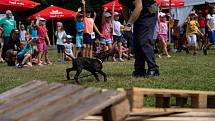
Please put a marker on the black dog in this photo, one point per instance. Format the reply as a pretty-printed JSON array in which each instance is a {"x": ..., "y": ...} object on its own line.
[{"x": 89, "y": 64}]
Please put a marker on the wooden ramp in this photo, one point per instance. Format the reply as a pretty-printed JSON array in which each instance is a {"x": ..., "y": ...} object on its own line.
[
  {"x": 40, "y": 101},
  {"x": 190, "y": 116},
  {"x": 166, "y": 100}
]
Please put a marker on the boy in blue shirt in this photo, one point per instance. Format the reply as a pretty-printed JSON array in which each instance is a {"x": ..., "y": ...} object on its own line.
[{"x": 79, "y": 34}]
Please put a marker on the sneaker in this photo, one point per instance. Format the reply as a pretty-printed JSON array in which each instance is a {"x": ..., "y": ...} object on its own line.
[
  {"x": 159, "y": 56},
  {"x": 168, "y": 56},
  {"x": 205, "y": 51},
  {"x": 20, "y": 66},
  {"x": 47, "y": 62},
  {"x": 58, "y": 60},
  {"x": 2, "y": 60},
  {"x": 40, "y": 63},
  {"x": 121, "y": 60},
  {"x": 114, "y": 59}
]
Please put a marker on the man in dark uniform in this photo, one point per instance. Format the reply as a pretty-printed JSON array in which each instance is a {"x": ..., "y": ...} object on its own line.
[{"x": 144, "y": 18}]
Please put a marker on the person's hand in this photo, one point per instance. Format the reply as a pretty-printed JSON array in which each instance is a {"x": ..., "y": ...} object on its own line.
[
  {"x": 105, "y": 9},
  {"x": 83, "y": 2},
  {"x": 128, "y": 27},
  {"x": 49, "y": 44},
  {"x": 20, "y": 22},
  {"x": 100, "y": 34}
]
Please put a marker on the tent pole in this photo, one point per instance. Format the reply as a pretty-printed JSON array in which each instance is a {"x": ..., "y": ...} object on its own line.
[
  {"x": 170, "y": 13},
  {"x": 53, "y": 38}
]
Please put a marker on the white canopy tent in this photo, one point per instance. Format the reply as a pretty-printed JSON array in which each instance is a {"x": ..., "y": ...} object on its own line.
[{"x": 181, "y": 13}]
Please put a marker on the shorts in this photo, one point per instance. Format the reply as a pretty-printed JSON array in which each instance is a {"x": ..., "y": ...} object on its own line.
[
  {"x": 202, "y": 30},
  {"x": 117, "y": 38},
  {"x": 79, "y": 41},
  {"x": 192, "y": 40},
  {"x": 42, "y": 47},
  {"x": 163, "y": 37},
  {"x": 212, "y": 36},
  {"x": 87, "y": 39},
  {"x": 60, "y": 48},
  {"x": 106, "y": 41}
]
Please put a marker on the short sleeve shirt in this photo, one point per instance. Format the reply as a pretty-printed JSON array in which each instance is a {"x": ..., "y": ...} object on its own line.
[
  {"x": 211, "y": 21},
  {"x": 79, "y": 26},
  {"x": 8, "y": 25},
  {"x": 42, "y": 31},
  {"x": 116, "y": 28}
]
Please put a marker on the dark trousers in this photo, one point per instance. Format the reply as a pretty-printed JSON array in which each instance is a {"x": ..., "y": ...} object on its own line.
[
  {"x": 143, "y": 48},
  {"x": 5, "y": 46}
]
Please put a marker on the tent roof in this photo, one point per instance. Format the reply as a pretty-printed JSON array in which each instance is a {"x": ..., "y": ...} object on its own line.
[{"x": 197, "y": 2}]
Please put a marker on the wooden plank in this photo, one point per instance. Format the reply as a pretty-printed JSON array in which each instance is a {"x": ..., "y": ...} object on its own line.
[
  {"x": 137, "y": 99},
  {"x": 92, "y": 118},
  {"x": 171, "y": 91},
  {"x": 195, "y": 114},
  {"x": 92, "y": 105},
  {"x": 181, "y": 119},
  {"x": 42, "y": 102},
  {"x": 117, "y": 112},
  {"x": 61, "y": 106},
  {"x": 172, "y": 110},
  {"x": 28, "y": 97},
  {"x": 21, "y": 89},
  {"x": 199, "y": 101}
]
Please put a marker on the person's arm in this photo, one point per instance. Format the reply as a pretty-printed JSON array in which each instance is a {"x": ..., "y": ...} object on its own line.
[
  {"x": 96, "y": 29},
  {"x": 38, "y": 21},
  {"x": 113, "y": 7},
  {"x": 209, "y": 27},
  {"x": 84, "y": 7},
  {"x": 47, "y": 38},
  {"x": 94, "y": 18},
  {"x": 136, "y": 13}
]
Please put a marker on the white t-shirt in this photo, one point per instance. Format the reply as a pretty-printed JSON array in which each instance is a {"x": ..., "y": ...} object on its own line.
[
  {"x": 211, "y": 21},
  {"x": 22, "y": 36},
  {"x": 68, "y": 48},
  {"x": 116, "y": 28},
  {"x": 60, "y": 37}
]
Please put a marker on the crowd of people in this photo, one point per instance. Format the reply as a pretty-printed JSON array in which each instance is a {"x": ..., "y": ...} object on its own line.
[{"x": 25, "y": 46}]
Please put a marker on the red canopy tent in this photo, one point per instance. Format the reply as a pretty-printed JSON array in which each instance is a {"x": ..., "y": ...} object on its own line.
[
  {"x": 17, "y": 5},
  {"x": 174, "y": 3},
  {"x": 53, "y": 12},
  {"x": 109, "y": 5}
]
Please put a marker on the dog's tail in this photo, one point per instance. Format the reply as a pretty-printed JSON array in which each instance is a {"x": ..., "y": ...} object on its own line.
[{"x": 69, "y": 56}]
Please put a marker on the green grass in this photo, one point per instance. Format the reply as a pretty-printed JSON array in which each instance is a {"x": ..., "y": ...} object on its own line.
[{"x": 179, "y": 72}]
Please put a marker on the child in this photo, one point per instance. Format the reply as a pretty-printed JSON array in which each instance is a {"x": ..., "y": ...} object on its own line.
[
  {"x": 191, "y": 32},
  {"x": 107, "y": 30},
  {"x": 61, "y": 39},
  {"x": 211, "y": 24},
  {"x": 1, "y": 44},
  {"x": 79, "y": 34},
  {"x": 24, "y": 56},
  {"x": 163, "y": 36},
  {"x": 89, "y": 34},
  {"x": 117, "y": 35},
  {"x": 68, "y": 48},
  {"x": 41, "y": 41},
  {"x": 32, "y": 30},
  {"x": 176, "y": 34},
  {"x": 22, "y": 35}
]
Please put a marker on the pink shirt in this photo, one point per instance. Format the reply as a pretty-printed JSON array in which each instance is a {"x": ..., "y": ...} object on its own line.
[
  {"x": 107, "y": 30},
  {"x": 163, "y": 28},
  {"x": 42, "y": 31}
]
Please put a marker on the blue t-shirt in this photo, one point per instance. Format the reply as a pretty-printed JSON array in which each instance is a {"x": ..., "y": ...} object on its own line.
[
  {"x": 34, "y": 33},
  {"x": 79, "y": 26},
  {"x": 26, "y": 49}
]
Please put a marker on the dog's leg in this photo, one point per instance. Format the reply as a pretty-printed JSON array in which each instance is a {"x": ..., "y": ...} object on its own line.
[
  {"x": 96, "y": 76},
  {"x": 77, "y": 75},
  {"x": 68, "y": 71},
  {"x": 104, "y": 74}
]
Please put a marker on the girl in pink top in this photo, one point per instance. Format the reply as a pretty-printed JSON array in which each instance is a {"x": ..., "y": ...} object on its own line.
[
  {"x": 107, "y": 30},
  {"x": 163, "y": 36}
]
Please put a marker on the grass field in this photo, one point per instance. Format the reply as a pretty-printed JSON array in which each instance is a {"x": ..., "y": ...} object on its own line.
[{"x": 179, "y": 72}]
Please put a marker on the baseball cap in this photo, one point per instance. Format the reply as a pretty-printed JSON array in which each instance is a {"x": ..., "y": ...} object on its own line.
[
  {"x": 69, "y": 37},
  {"x": 107, "y": 15},
  {"x": 42, "y": 19},
  {"x": 116, "y": 13}
]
